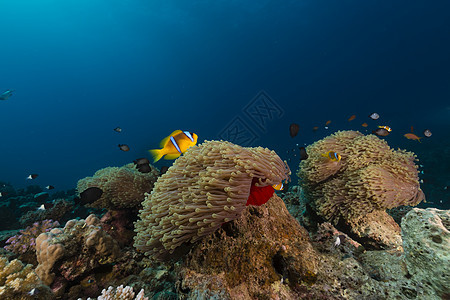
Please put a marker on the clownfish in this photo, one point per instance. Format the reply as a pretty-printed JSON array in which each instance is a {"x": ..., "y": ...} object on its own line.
[
  {"x": 332, "y": 155},
  {"x": 278, "y": 187},
  {"x": 389, "y": 129},
  {"x": 174, "y": 145}
]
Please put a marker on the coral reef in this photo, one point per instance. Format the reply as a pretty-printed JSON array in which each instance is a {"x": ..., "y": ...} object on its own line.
[
  {"x": 264, "y": 254},
  {"x": 66, "y": 255},
  {"x": 346, "y": 271},
  {"x": 60, "y": 208},
  {"x": 19, "y": 209},
  {"x": 207, "y": 186},
  {"x": 121, "y": 293},
  {"x": 245, "y": 259},
  {"x": 47, "y": 254},
  {"x": 122, "y": 187},
  {"x": 17, "y": 281},
  {"x": 293, "y": 198},
  {"x": 119, "y": 224},
  {"x": 24, "y": 243},
  {"x": 426, "y": 240},
  {"x": 355, "y": 191}
]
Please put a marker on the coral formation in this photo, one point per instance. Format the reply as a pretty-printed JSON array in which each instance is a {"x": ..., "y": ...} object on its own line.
[
  {"x": 251, "y": 270},
  {"x": 426, "y": 241},
  {"x": 47, "y": 254},
  {"x": 25, "y": 240},
  {"x": 121, "y": 293},
  {"x": 251, "y": 256},
  {"x": 371, "y": 177},
  {"x": 17, "y": 280},
  {"x": 60, "y": 208},
  {"x": 71, "y": 252},
  {"x": 122, "y": 187},
  {"x": 119, "y": 224},
  {"x": 206, "y": 187}
]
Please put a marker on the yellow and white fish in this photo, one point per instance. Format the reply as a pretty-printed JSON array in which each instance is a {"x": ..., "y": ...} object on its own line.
[
  {"x": 332, "y": 155},
  {"x": 174, "y": 145}
]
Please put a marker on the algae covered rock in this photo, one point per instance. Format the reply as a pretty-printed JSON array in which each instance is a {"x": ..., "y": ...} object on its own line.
[
  {"x": 264, "y": 254},
  {"x": 426, "y": 241}
]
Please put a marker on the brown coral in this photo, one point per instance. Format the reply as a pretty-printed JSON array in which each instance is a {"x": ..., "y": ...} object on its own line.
[
  {"x": 371, "y": 177},
  {"x": 77, "y": 249},
  {"x": 122, "y": 187},
  {"x": 206, "y": 187},
  {"x": 266, "y": 248}
]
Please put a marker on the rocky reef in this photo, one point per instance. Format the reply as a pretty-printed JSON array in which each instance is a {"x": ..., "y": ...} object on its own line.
[{"x": 283, "y": 249}]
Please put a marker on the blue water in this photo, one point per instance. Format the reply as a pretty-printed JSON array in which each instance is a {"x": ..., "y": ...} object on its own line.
[{"x": 81, "y": 68}]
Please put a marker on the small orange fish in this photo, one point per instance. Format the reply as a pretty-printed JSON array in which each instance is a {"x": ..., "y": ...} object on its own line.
[
  {"x": 315, "y": 128},
  {"x": 328, "y": 122},
  {"x": 389, "y": 129},
  {"x": 364, "y": 125},
  {"x": 174, "y": 145},
  {"x": 278, "y": 187},
  {"x": 352, "y": 118},
  {"x": 412, "y": 136}
]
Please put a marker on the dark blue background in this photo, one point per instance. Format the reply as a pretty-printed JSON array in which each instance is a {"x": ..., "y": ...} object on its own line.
[{"x": 81, "y": 68}]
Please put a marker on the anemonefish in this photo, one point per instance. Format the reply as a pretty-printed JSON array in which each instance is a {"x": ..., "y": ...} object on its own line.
[
  {"x": 389, "y": 129},
  {"x": 332, "y": 155},
  {"x": 174, "y": 145},
  {"x": 278, "y": 187}
]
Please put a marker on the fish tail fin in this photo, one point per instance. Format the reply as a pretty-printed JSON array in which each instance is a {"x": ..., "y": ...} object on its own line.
[
  {"x": 419, "y": 139},
  {"x": 157, "y": 154}
]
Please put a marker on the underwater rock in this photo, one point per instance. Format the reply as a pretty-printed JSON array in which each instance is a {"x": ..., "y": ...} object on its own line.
[
  {"x": 66, "y": 255},
  {"x": 263, "y": 254},
  {"x": 294, "y": 200},
  {"x": 426, "y": 240},
  {"x": 266, "y": 254},
  {"x": 377, "y": 230},
  {"x": 119, "y": 224},
  {"x": 58, "y": 211}
]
